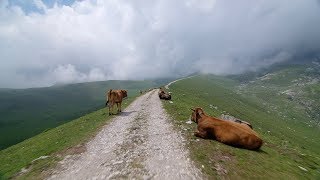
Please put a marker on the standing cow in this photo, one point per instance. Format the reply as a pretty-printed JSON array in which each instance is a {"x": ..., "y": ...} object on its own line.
[{"x": 115, "y": 97}]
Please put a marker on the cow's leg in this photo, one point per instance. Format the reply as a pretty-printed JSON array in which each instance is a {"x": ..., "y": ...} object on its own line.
[
  {"x": 201, "y": 133},
  {"x": 120, "y": 106},
  {"x": 111, "y": 108}
]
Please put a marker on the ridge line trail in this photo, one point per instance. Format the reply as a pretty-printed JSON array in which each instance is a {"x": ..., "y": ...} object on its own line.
[
  {"x": 139, "y": 143},
  {"x": 172, "y": 82}
]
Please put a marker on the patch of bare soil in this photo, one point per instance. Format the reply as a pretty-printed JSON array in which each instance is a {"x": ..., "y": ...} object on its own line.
[{"x": 139, "y": 143}]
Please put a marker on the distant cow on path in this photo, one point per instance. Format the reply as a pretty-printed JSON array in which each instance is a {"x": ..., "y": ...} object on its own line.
[
  {"x": 115, "y": 97},
  {"x": 164, "y": 95},
  {"x": 227, "y": 132}
]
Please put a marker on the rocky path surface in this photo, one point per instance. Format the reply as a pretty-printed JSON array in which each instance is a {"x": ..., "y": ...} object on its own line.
[{"x": 140, "y": 143}]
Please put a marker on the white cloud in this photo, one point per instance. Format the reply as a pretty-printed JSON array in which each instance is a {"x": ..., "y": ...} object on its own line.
[
  {"x": 96, "y": 74},
  {"x": 67, "y": 73},
  {"x": 40, "y": 5},
  {"x": 203, "y": 5},
  {"x": 107, "y": 39}
]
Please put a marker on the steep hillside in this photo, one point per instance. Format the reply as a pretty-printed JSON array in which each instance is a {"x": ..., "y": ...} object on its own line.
[
  {"x": 292, "y": 91},
  {"x": 27, "y": 112},
  {"x": 291, "y": 148}
]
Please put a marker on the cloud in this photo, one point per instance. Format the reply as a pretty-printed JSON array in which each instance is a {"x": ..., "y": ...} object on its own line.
[
  {"x": 67, "y": 73},
  {"x": 106, "y": 39},
  {"x": 40, "y": 5}
]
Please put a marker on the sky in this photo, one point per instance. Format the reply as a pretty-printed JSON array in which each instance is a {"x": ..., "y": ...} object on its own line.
[{"x": 47, "y": 42}]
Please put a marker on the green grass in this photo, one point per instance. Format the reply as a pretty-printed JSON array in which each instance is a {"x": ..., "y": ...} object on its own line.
[
  {"x": 54, "y": 143},
  {"x": 28, "y": 112},
  {"x": 302, "y": 81},
  {"x": 288, "y": 143}
]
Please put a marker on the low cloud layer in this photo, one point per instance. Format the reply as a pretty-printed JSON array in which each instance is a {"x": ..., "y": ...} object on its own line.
[{"x": 106, "y": 39}]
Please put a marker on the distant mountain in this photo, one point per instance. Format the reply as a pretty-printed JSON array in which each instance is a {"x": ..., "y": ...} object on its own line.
[
  {"x": 295, "y": 83},
  {"x": 306, "y": 60},
  {"x": 27, "y": 112}
]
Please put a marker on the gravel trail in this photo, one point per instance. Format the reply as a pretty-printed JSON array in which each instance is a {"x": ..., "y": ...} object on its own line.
[
  {"x": 139, "y": 143},
  {"x": 167, "y": 86}
]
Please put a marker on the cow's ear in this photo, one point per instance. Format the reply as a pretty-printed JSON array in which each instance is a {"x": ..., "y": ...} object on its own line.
[
  {"x": 199, "y": 111},
  {"x": 192, "y": 109}
]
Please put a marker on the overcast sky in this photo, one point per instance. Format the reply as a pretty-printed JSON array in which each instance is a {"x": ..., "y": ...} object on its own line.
[{"x": 65, "y": 41}]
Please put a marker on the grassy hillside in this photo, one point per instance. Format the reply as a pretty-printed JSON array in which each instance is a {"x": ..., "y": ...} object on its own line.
[
  {"x": 291, "y": 148},
  {"x": 27, "y": 112},
  {"x": 296, "y": 87},
  {"x": 37, "y": 154}
]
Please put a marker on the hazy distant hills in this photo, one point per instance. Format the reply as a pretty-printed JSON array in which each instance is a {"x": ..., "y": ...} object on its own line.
[
  {"x": 282, "y": 102},
  {"x": 295, "y": 85},
  {"x": 27, "y": 112}
]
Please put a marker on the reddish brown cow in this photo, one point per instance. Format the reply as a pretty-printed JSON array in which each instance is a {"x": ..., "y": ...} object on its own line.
[
  {"x": 227, "y": 132},
  {"x": 115, "y": 97}
]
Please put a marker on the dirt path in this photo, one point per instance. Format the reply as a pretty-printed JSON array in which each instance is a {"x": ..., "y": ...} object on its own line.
[
  {"x": 167, "y": 86},
  {"x": 138, "y": 144}
]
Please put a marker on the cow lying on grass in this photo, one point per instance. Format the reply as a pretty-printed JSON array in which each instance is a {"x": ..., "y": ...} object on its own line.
[
  {"x": 164, "y": 95},
  {"x": 115, "y": 97},
  {"x": 227, "y": 132}
]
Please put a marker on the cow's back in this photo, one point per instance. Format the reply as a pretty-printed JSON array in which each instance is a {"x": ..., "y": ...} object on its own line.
[
  {"x": 118, "y": 96},
  {"x": 115, "y": 96}
]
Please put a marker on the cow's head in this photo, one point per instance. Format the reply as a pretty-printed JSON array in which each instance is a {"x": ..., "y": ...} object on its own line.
[
  {"x": 196, "y": 114},
  {"x": 124, "y": 93}
]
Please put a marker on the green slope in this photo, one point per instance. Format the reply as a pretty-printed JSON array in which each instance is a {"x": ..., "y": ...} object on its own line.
[
  {"x": 27, "y": 112},
  {"x": 54, "y": 143},
  {"x": 295, "y": 87},
  {"x": 291, "y": 148}
]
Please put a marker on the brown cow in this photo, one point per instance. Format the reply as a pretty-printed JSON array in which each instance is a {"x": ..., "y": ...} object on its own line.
[
  {"x": 227, "y": 132},
  {"x": 115, "y": 96},
  {"x": 164, "y": 95}
]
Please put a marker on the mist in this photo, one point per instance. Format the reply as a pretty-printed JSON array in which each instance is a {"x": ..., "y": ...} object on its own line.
[{"x": 42, "y": 44}]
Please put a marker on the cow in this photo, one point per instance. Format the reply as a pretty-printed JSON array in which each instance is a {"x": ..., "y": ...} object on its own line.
[
  {"x": 227, "y": 132},
  {"x": 115, "y": 97},
  {"x": 164, "y": 95}
]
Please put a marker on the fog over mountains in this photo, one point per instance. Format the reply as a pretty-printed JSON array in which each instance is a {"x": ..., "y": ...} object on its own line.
[{"x": 51, "y": 42}]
